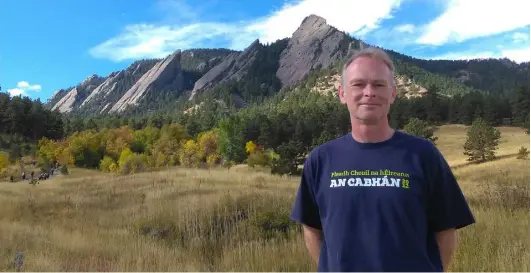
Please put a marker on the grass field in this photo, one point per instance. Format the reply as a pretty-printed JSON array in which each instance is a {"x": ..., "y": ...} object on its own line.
[{"x": 233, "y": 220}]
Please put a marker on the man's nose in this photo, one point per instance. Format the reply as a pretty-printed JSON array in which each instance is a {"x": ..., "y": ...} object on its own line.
[{"x": 368, "y": 91}]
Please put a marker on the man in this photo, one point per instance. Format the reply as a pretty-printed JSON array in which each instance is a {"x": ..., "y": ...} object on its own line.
[{"x": 377, "y": 199}]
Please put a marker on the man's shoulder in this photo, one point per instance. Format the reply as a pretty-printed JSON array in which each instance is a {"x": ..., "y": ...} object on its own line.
[
  {"x": 416, "y": 143},
  {"x": 420, "y": 146},
  {"x": 327, "y": 147}
]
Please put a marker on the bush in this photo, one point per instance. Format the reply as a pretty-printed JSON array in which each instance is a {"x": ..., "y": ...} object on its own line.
[
  {"x": 258, "y": 158},
  {"x": 159, "y": 229},
  {"x": 105, "y": 164},
  {"x": 4, "y": 164},
  {"x": 271, "y": 222},
  {"x": 134, "y": 163},
  {"x": 190, "y": 155},
  {"x": 64, "y": 169},
  {"x": 523, "y": 153}
]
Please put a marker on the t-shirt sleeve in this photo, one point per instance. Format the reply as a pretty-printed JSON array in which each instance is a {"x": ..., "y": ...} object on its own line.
[
  {"x": 305, "y": 210},
  {"x": 447, "y": 207}
]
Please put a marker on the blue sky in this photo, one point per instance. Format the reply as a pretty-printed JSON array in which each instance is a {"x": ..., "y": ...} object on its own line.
[{"x": 48, "y": 45}]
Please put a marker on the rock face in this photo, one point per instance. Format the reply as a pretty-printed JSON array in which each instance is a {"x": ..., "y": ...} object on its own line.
[
  {"x": 234, "y": 67},
  {"x": 314, "y": 45},
  {"x": 77, "y": 95},
  {"x": 56, "y": 97},
  {"x": 116, "y": 84},
  {"x": 164, "y": 73}
]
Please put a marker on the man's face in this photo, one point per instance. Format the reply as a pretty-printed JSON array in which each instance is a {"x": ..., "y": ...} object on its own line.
[{"x": 367, "y": 90}]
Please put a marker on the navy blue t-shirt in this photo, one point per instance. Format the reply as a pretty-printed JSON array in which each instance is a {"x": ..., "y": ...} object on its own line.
[{"x": 379, "y": 205}]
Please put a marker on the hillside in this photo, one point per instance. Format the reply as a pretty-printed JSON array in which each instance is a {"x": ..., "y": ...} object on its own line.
[
  {"x": 237, "y": 219},
  {"x": 185, "y": 78}
]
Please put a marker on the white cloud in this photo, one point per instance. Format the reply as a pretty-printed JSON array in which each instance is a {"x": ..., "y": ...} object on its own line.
[
  {"x": 15, "y": 91},
  {"x": 408, "y": 28},
  {"x": 464, "y": 55},
  {"x": 22, "y": 87},
  {"x": 23, "y": 84},
  {"x": 338, "y": 13},
  {"x": 520, "y": 37},
  {"x": 467, "y": 19},
  {"x": 156, "y": 41},
  {"x": 517, "y": 55}
]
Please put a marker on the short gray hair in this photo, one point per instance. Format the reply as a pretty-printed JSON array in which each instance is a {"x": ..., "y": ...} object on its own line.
[{"x": 372, "y": 52}]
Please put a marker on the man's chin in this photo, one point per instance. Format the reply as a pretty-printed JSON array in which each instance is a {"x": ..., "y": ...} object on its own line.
[{"x": 368, "y": 119}]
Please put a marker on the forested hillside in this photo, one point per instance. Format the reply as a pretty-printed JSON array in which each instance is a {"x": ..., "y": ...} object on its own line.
[
  {"x": 263, "y": 95},
  {"x": 492, "y": 75},
  {"x": 239, "y": 78},
  {"x": 23, "y": 122}
]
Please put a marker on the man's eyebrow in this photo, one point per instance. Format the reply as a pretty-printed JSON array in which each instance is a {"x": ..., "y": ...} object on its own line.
[{"x": 357, "y": 80}]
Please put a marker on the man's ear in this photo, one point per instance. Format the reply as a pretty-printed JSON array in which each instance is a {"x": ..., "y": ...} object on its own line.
[
  {"x": 341, "y": 94},
  {"x": 393, "y": 97}
]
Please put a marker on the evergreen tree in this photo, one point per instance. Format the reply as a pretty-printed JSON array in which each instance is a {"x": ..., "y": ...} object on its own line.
[
  {"x": 420, "y": 128},
  {"x": 231, "y": 140},
  {"x": 482, "y": 141}
]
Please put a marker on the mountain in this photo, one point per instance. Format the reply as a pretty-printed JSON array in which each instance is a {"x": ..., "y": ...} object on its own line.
[
  {"x": 233, "y": 67},
  {"x": 77, "y": 95},
  {"x": 125, "y": 87},
  {"x": 314, "y": 45},
  {"x": 166, "y": 73},
  {"x": 316, "y": 50}
]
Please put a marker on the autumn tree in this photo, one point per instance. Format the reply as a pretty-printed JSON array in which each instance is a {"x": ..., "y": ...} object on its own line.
[
  {"x": 4, "y": 163},
  {"x": 190, "y": 155},
  {"x": 420, "y": 128},
  {"x": 482, "y": 141},
  {"x": 165, "y": 152},
  {"x": 208, "y": 143},
  {"x": 107, "y": 164}
]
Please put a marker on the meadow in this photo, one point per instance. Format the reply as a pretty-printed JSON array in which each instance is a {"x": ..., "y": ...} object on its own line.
[{"x": 235, "y": 219}]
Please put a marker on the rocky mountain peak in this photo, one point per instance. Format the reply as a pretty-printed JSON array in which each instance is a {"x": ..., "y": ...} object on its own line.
[
  {"x": 233, "y": 67},
  {"x": 311, "y": 22},
  {"x": 163, "y": 74},
  {"x": 314, "y": 45}
]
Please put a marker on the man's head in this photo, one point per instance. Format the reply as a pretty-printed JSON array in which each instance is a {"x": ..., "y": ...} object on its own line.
[{"x": 367, "y": 86}]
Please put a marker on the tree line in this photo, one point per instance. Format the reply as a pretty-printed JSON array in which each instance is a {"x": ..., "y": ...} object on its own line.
[{"x": 277, "y": 133}]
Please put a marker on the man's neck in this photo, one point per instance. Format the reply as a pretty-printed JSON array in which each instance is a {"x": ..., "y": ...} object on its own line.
[{"x": 371, "y": 133}]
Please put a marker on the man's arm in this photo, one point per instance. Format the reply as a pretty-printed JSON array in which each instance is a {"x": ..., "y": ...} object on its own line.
[
  {"x": 313, "y": 239},
  {"x": 447, "y": 242},
  {"x": 306, "y": 210},
  {"x": 448, "y": 208}
]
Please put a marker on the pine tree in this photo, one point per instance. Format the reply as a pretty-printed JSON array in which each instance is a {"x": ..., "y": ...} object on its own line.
[
  {"x": 420, "y": 128},
  {"x": 482, "y": 141}
]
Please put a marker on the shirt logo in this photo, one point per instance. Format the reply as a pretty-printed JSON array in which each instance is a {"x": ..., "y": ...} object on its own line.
[{"x": 369, "y": 178}]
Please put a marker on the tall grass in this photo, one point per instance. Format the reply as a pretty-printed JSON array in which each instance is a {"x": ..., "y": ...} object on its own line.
[{"x": 224, "y": 220}]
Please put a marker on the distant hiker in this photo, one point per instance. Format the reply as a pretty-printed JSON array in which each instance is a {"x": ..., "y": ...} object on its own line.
[
  {"x": 23, "y": 175},
  {"x": 378, "y": 199},
  {"x": 32, "y": 173},
  {"x": 12, "y": 179}
]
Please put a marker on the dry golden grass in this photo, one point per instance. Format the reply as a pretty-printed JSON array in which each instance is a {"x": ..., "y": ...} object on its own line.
[{"x": 214, "y": 220}]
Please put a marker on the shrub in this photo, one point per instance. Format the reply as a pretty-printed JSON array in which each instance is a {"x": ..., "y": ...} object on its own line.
[
  {"x": 523, "y": 153},
  {"x": 134, "y": 163},
  {"x": 105, "y": 164},
  {"x": 270, "y": 222},
  {"x": 64, "y": 169},
  {"x": 258, "y": 158},
  {"x": 190, "y": 154}
]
